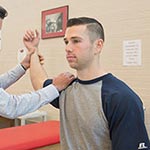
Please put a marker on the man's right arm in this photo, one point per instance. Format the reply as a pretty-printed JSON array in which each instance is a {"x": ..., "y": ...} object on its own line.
[{"x": 38, "y": 75}]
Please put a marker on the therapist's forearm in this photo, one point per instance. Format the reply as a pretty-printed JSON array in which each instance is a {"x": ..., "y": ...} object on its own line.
[{"x": 12, "y": 106}]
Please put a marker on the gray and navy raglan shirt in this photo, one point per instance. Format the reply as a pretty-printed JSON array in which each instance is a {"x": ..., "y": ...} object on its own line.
[{"x": 101, "y": 114}]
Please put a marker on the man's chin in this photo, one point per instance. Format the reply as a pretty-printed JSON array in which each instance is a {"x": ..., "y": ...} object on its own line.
[{"x": 72, "y": 66}]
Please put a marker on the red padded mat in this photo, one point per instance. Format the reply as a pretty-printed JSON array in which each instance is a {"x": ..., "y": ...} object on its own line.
[{"x": 30, "y": 136}]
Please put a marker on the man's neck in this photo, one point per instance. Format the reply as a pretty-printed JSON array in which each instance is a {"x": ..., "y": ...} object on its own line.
[{"x": 90, "y": 74}]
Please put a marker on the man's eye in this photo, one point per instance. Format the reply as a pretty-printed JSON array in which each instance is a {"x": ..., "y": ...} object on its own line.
[{"x": 76, "y": 41}]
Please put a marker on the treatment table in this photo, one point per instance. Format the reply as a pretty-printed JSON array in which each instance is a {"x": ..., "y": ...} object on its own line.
[{"x": 30, "y": 136}]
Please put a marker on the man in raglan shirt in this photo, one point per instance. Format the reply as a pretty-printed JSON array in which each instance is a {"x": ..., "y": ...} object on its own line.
[{"x": 97, "y": 111}]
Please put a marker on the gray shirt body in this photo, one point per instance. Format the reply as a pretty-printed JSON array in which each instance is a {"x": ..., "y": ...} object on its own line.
[{"x": 83, "y": 122}]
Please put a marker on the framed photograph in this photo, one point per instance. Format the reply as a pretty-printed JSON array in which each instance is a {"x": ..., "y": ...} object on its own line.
[{"x": 54, "y": 22}]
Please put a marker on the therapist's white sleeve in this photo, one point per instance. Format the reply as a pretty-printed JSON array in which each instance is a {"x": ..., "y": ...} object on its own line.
[
  {"x": 12, "y": 106},
  {"x": 11, "y": 76}
]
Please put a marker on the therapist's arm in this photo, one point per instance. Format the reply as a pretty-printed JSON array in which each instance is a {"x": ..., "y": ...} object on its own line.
[{"x": 12, "y": 106}]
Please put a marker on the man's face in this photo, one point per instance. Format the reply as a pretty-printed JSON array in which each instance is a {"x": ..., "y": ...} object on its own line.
[{"x": 79, "y": 48}]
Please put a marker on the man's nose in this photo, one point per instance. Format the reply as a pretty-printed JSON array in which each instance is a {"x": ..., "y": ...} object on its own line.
[{"x": 69, "y": 48}]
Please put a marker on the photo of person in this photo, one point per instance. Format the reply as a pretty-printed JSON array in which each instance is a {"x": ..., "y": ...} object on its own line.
[{"x": 54, "y": 23}]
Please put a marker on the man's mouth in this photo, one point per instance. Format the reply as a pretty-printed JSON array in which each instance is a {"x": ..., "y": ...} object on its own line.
[{"x": 70, "y": 57}]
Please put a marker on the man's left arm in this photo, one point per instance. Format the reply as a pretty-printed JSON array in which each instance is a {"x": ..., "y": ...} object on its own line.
[{"x": 126, "y": 123}]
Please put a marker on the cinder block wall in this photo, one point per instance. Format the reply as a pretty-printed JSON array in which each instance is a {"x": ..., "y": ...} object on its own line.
[{"x": 122, "y": 20}]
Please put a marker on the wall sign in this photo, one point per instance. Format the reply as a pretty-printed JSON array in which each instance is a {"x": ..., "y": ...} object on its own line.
[{"x": 132, "y": 52}]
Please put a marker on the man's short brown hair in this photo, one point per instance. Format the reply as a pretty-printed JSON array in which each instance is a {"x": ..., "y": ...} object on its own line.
[{"x": 3, "y": 12}]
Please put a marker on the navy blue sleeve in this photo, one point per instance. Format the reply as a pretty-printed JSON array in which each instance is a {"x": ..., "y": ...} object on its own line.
[
  {"x": 124, "y": 112},
  {"x": 55, "y": 102}
]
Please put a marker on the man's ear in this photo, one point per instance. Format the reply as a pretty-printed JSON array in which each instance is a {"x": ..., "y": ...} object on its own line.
[{"x": 98, "y": 45}]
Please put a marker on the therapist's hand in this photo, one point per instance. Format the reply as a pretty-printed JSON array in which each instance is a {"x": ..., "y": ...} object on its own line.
[{"x": 63, "y": 80}]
